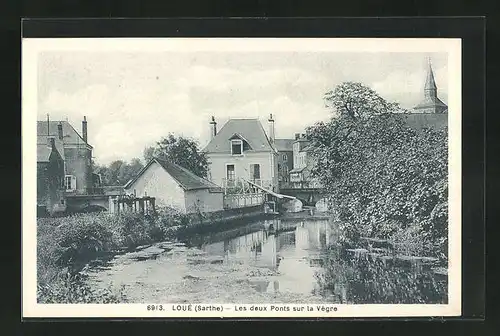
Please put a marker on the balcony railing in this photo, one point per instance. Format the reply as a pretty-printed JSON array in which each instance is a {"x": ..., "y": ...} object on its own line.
[
  {"x": 240, "y": 186},
  {"x": 95, "y": 191}
]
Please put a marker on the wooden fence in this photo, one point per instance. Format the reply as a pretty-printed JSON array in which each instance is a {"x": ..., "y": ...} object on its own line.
[{"x": 144, "y": 205}]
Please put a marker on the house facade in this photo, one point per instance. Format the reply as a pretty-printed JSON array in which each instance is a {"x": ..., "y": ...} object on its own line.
[
  {"x": 241, "y": 151},
  {"x": 51, "y": 197},
  {"x": 76, "y": 153},
  {"x": 174, "y": 186},
  {"x": 303, "y": 162},
  {"x": 285, "y": 158}
]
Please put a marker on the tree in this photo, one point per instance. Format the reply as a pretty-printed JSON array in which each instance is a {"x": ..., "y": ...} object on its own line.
[
  {"x": 354, "y": 100},
  {"x": 180, "y": 150},
  {"x": 119, "y": 172},
  {"x": 386, "y": 179}
]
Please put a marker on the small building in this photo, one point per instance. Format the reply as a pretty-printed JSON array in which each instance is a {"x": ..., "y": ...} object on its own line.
[
  {"x": 242, "y": 150},
  {"x": 285, "y": 158},
  {"x": 50, "y": 179},
  {"x": 174, "y": 186},
  {"x": 303, "y": 162},
  {"x": 76, "y": 153}
]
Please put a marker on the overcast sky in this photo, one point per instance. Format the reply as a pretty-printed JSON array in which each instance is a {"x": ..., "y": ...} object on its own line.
[{"x": 131, "y": 100}]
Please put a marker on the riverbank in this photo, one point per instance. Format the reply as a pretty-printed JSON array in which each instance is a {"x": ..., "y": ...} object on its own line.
[
  {"x": 66, "y": 245},
  {"x": 175, "y": 273}
]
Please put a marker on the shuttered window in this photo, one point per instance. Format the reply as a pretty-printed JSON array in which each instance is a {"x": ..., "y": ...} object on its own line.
[
  {"x": 70, "y": 182},
  {"x": 255, "y": 171}
]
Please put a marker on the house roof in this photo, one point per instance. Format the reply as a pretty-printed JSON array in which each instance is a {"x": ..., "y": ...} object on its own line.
[
  {"x": 70, "y": 135},
  {"x": 297, "y": 170},
  {"x": 249, "y": 129},
  {"x": 185, "y": 178},
  {"x": 43, "y": 153},
  {"x": 283, "y": 145},
  {"x": 43, "y": 150},
  {"x": 307, "y": 148},
  {"x": 42, "y": 141},
  {"x": 423, "y": 120}
]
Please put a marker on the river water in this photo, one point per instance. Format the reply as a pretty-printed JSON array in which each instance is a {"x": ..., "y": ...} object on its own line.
[
  {"x": 262, "y": 261},
  {"x": 265, "y": 261}
]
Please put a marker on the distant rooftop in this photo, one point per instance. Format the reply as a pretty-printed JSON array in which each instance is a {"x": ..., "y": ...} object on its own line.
[{"x": 250, "y": 130}]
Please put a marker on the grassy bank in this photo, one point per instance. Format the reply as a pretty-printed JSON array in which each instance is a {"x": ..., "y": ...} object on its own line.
[{"x": 65, "y": 245}]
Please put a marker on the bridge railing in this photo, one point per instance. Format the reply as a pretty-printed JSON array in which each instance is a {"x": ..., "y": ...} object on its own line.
[
  {"x": 234, "y": 201},
  {"x": 240, "y": 186}
]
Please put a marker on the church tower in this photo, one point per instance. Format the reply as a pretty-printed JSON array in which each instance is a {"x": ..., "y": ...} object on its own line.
[{"x": 431, "y": 103}]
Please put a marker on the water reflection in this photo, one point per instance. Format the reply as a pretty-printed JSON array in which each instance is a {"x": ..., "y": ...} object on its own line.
[
  {"x": 301, "y": 257},
  {"x": 291, "y": 249}
]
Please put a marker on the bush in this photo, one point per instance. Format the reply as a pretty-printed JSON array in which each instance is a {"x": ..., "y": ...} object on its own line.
[
  {"x": 72, "y": 288},
  {"x": 65, "y": 245}
]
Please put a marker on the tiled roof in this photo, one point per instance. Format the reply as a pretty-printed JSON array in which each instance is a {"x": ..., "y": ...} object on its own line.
[
  {"x": 423, "y": 120},
  {"x": 249, "y": 129},
  {"x": 283, "y": 145},
  {"x": 186, "y": 179},
  {"x": 71, "y": 136},
  {"x": 41, "y": 140},
  {"x": 43, "y": 150},
  {"x": 297, "y": 170},
  {"x": 431, "y": 102},
  {"x": 42, "y": 153}
]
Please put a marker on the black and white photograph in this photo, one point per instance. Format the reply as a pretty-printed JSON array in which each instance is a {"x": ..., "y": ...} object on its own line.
[{"x": 243, "y": 177}]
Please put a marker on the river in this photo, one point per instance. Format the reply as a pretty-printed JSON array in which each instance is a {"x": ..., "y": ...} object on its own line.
[{"x": 263, "y": 261}]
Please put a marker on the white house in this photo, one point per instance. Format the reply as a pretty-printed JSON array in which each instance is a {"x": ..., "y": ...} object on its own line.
[
  {"x": 176, "y": 187},
  {"x": 243, "y": 150}
]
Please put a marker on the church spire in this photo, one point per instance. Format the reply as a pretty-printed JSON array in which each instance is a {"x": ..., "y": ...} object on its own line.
[
  {"x": 431, "y": 103},
  {"x": 430, "y": 83}
]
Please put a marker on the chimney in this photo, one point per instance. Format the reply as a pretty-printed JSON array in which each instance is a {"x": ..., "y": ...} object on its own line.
[
  {"x": 60, "y": 131},
  {"x": 297, "y": 136},
  {"x": 213, "y": 128},
  {"x": 84, "y": 129},
  {"x": 48, "y": 125},
  {"x": 271, "y": 128}
]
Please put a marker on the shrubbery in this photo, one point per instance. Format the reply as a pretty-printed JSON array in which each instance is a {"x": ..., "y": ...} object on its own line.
[
  {"x": 386, "y": 179},
  {"x": 66, "y": 244}
]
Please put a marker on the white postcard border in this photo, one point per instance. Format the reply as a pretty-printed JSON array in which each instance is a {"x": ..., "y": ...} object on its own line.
[{"x": 32, "y": 47}]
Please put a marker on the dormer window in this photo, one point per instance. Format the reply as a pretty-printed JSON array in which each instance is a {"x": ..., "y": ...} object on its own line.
[{"x": 236, "y": 147}]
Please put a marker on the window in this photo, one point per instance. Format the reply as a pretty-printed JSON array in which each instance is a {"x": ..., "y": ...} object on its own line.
[
  {"x": 230, "y": 174},
  {"x": 255, "y": 171},
  {"x": 69, "y": 182},
  {"x": 236, "y": 147},
  {"x": 285, "y": 158}
]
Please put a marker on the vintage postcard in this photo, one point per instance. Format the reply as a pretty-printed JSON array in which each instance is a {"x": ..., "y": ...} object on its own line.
[{"x": 242, "y": 177}]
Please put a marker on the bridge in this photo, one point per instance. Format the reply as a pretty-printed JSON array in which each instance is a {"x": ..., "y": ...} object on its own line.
[
  {"x": 244, "y": 192},
  {"x": 309, "y": 193}
]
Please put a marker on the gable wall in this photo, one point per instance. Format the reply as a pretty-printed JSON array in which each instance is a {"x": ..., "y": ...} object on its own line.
[{"x": 156, "y": 182}]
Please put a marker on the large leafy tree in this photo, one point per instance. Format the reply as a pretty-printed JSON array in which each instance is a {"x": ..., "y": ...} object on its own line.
[
  {"x": 355, "y": 100},
  {"x": 180, "y": 150},
  {"x": 119, "y": 172},
  {"x": 386, "y": 179}
]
